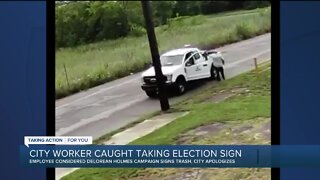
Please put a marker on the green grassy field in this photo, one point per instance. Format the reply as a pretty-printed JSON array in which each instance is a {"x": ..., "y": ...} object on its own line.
[
  {"x": 93, "y": 64},
  {"x": 242, "y": 116}
]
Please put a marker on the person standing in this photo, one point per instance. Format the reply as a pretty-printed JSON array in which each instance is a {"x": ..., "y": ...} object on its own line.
[{"x": 218, "y": 66}]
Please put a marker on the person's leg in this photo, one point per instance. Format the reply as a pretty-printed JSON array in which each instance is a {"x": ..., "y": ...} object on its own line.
[
  {"x": 218, "y": 74},
  {"x": 222, "y": 73}
]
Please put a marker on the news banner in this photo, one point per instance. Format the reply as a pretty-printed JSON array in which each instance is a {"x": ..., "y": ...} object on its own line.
[{"x": 78, "y": 151}]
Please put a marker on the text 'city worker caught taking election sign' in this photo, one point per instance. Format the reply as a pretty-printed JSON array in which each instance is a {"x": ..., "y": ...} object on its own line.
[{"x": 169, "y": 156}]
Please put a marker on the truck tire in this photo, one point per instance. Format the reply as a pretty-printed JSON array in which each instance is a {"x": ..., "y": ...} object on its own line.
[
  {"x": 151, "y": 94},
  {"x": 181, "y": 86},
  {"x": 212, "y": 74}
]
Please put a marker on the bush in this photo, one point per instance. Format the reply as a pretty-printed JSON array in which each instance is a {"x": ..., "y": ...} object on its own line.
[
  {"x": 243, "y": 30},
  {"x": 209, "y": 7},
  {"x": 136, "y": 30},
  {"x": 255, "y": 4},
  {"x": 84, "y": 22}
]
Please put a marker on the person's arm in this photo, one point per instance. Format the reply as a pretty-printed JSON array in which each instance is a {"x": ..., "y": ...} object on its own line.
[{"x": 222, "y": 60}]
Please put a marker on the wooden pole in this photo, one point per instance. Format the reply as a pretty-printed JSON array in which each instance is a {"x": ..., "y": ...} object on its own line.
[
  {"x": 255, "y": 63},
  {"x": 164, "y": 103},
  {"x": 65, "y": 71}
]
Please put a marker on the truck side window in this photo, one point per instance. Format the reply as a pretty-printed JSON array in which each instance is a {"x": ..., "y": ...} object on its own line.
[
  {"x": 196, "y": 56},
  {"x": 190, "y": 62},
  {"x": 188, "y": 55}
]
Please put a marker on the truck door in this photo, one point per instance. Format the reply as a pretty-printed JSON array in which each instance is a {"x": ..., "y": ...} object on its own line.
[
  {"x": 203, "y": 68},
  {"x": 190, "y": 67}
]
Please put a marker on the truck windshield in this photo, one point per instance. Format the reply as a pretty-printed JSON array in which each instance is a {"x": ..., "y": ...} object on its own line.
[{"x": 171, "y": 60}]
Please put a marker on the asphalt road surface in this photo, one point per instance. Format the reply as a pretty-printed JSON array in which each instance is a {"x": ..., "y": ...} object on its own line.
[{"x": 112, "y": 105}]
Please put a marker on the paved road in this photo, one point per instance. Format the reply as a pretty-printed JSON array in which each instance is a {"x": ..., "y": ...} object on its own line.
[{"x": 112, "y": 105}]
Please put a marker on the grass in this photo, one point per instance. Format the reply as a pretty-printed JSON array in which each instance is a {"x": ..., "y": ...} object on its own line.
[
  {"x": 93, "y": 64},
  {"x": 107, "y": 136},
  {"x": 245, "y": 107}
]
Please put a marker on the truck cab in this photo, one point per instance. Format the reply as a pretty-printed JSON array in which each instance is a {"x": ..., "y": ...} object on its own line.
[{"x": 180, "y": 66}]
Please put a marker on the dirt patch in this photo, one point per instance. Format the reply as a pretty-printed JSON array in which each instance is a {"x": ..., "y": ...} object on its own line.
[
  {"x": 223, "y": 95},
  {"x": 239, "y": 90},
  {"x": 254, "y": 131},
  {"x": 220, "y": 97},
  {"x": 266, "y": 130},
  {"x": 232, "y": 173},
  {"x": 188, "y": 175},
  {"x": 211, "y": 128},
  {"x": 200, "y": 132},
  {"x": 242, "y": 128}
]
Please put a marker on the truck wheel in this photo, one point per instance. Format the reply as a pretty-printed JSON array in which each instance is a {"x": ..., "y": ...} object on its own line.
[
  {"x": 212, "y": 74},
  {"x": 181, "y": 86},
  {"x": 151, "y": 94}
]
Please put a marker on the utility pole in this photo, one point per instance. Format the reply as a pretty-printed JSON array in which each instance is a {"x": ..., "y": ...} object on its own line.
[{"x": 155, "y": 55}]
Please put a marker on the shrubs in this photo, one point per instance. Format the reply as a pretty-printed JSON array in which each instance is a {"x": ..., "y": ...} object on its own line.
[
  {"x": 136, "y": 30},
  {"x": 246, "y": 30},
  {"x": 243, "y": 31}
]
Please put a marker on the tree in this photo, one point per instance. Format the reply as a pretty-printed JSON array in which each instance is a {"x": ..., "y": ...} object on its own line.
[
  {"x": 187, "y": 8},
  {"x": 256, "y": 4},
  {"x": 107, "y": 20},
  {"x": 209, "y": 7},
  {"x": 162, "y": 10},
  {"x": 70, "y": 24}
]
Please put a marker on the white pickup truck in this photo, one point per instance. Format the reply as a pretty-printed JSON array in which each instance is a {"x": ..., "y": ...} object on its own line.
[{"x": 180, "y": 66}]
